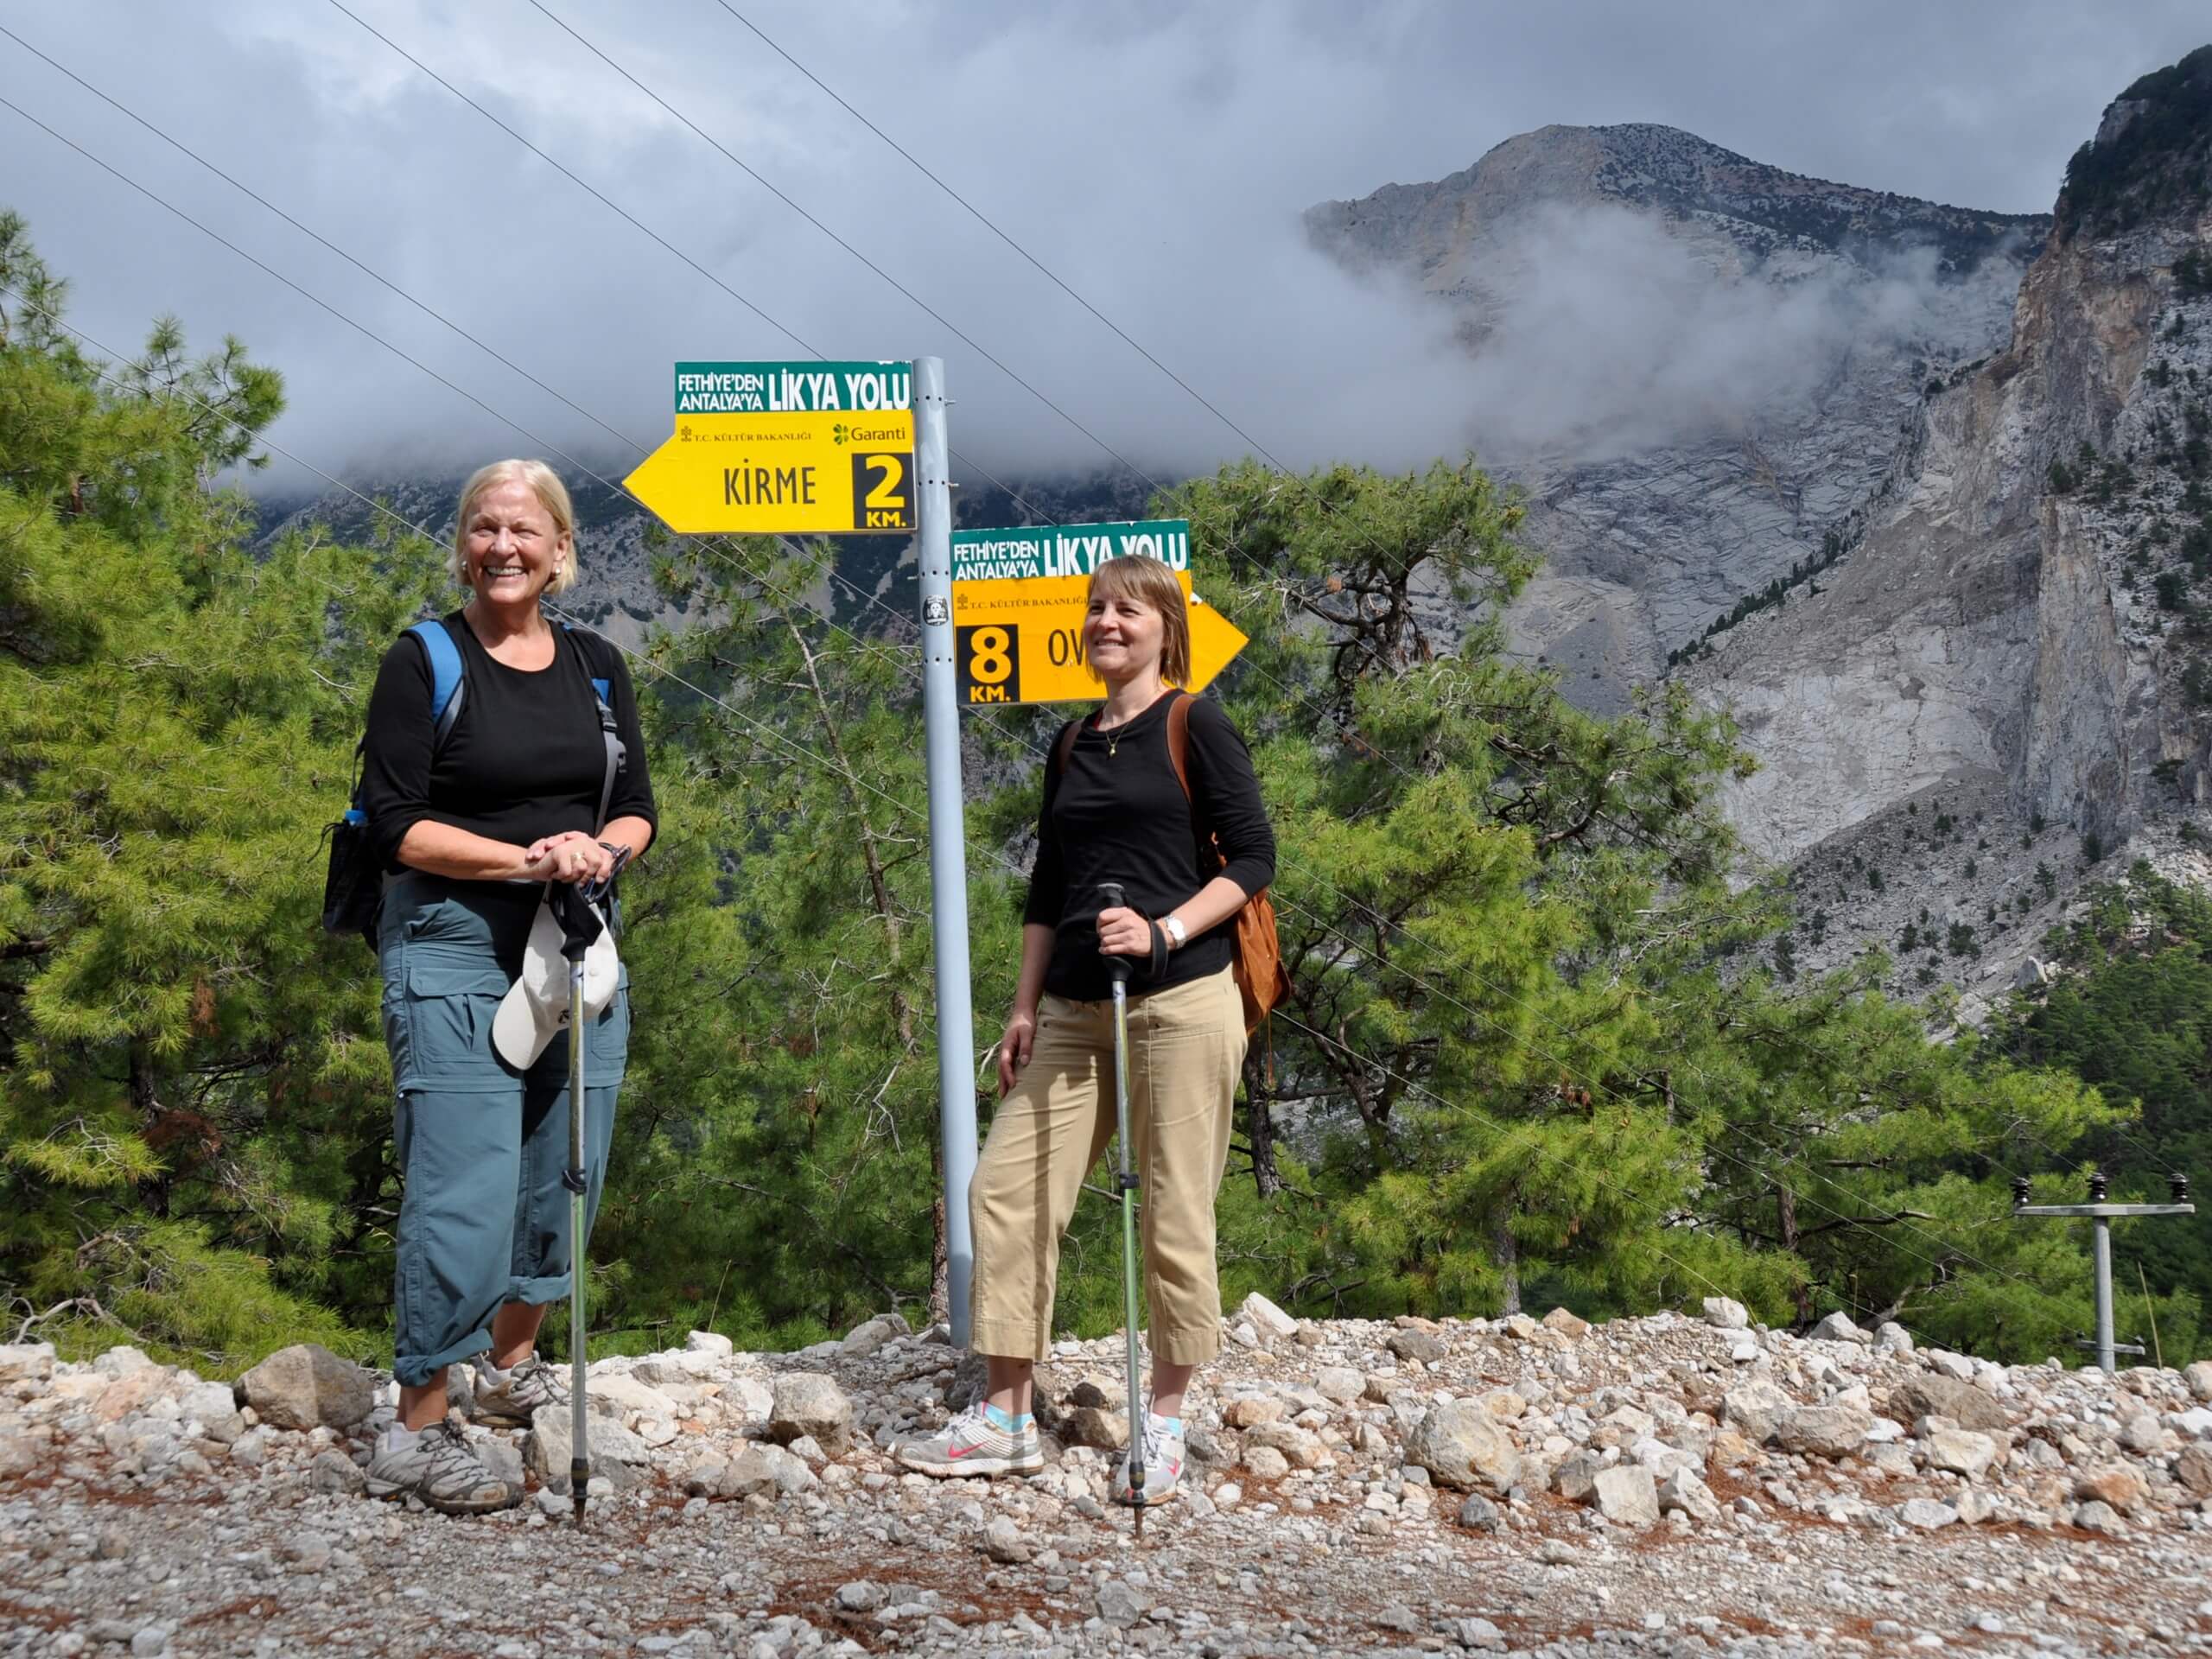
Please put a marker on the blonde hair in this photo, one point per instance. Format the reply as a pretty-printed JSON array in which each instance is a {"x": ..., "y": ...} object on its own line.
[
  {"x": 552, "y": 495},
  {"x": 1145, "y": 580}
]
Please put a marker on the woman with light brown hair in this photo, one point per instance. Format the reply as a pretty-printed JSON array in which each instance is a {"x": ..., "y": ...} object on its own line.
[{"x": 1116, "y": 811}]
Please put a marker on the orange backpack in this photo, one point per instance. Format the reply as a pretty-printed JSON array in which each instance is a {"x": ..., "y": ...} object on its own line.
[{"x": 1256, "y": 961}]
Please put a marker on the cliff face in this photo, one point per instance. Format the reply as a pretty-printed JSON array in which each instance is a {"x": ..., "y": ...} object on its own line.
[
  {"x": 2022, "y": 626},
  {"x": 1700, "y": 368}
]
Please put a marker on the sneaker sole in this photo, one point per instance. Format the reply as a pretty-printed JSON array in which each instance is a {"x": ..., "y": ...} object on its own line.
[
  {"x": 394, "y": 1491},
  {"x": 494, "y": 1417},
  {"x": 977, "y": 1467},
  {"x": 1167, "y": 1497}
]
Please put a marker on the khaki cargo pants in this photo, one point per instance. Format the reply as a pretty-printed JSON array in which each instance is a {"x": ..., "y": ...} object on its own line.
[{"x": 1187, "y": 1047}]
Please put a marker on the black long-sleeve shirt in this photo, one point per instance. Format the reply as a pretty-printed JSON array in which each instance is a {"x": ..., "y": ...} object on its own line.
[
  {"x": 525, "y": 759},
  {"x": 1117, "y": 814}
]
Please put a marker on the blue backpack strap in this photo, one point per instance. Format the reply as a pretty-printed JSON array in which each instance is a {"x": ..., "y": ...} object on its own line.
[
  {"x": 617, "y": 752},
  {"x": 448, "y": 684},
  {"x": 599, "y": 686}
]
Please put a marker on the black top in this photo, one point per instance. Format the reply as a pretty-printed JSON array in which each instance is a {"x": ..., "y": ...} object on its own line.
[
  {"x": 526, "y": 756},
  {"x": 1118, "y": 815}
]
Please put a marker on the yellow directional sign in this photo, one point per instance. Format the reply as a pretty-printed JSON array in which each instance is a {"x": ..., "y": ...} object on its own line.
[
  {"x": 769, "y": 448},
  {"x": 1018, "y": 638}
]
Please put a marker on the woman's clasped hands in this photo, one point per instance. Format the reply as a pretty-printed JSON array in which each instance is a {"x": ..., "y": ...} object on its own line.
[{"x": 571, "y": 856}]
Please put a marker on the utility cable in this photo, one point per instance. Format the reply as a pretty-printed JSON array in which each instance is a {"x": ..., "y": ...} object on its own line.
[
  {"x": 926, "y": 309},
  {"x": 611, "y": 205},
  {"x": 981, "y": 217},
  {"x": 708, "y": 543}
]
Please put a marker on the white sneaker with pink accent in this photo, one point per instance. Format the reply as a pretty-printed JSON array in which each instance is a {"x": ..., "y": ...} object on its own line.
[
  {"x": 1163, "y": 1462},
  {"x": 972, "y": 1445}
]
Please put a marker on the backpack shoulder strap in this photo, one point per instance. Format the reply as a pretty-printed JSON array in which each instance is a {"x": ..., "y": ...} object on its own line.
[
  {"x": 1179, "y": 742},
  {"x": 601, "y": 684},
  {"x": 448, "y": 678},
  {"x": 617, "y": 752},
  {"x": 1064, "y": 746}
]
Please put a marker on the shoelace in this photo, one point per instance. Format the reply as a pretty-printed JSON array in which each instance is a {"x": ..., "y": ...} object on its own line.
[
  {"x": 536, "y": 1373},
  {"x": 449, "y": 1453},
  {"x": 1155, "y": 1442},
  {"x": 968, "y": 1427}
]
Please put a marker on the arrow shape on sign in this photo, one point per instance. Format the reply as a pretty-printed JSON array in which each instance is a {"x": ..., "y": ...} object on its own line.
[{"x": 1215, "y": 641}]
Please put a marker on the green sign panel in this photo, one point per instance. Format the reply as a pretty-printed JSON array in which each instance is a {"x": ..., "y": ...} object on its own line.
[
  {"x": 791, "y": 388},
  {"x": 1065, "y": 550}
]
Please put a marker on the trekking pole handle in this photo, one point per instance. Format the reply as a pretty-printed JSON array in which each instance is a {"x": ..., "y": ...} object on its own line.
[{"x": 1110, "y": 897}]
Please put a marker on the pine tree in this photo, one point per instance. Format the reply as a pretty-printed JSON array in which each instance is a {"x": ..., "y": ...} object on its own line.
[
  {"x": 1477, "y": 879},
  {"x": 178, "y": 713}
]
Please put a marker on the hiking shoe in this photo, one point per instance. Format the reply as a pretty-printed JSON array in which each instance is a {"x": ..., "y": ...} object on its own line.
[
  {"x": 439, "y": 1468},
  {"x": 507, "y": 1399},
  {"x": 1163, "y": 1463},
  {"x": 971, "y": 1445}
]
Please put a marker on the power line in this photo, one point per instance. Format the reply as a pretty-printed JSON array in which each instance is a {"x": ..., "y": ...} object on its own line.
[
  {"x": 1035, "y": 513},
  {"x": 984, "y": 220},
  {"x": 611, "y": 205},
  {"x": 708, "y": 544},
  {"x": 927, "y": 309}
]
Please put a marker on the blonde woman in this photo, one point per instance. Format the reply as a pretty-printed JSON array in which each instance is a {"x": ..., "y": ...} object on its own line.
[
  {"x": 1114, "y": 811},
  {"x": 470, "y": 821}
]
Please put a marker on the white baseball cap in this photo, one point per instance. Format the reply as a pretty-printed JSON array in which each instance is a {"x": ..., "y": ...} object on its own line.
[{"x": 536, "y": 1007}]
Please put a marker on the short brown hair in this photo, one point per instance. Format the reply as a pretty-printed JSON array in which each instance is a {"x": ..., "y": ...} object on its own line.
[
  {"x": 552, "y": 495},
  {"x": 1145, "y": 579}
]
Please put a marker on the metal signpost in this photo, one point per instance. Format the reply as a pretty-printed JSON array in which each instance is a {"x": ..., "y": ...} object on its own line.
[
  {"x": 955, "y": 1022},
  {"x": 847, "y": 449},
  {"x": 2102, "y": 1214},
  {"x": 1018, "y": 608}
]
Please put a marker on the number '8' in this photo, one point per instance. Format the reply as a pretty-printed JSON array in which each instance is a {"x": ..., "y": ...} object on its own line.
[{"x": 990, "y": 655}]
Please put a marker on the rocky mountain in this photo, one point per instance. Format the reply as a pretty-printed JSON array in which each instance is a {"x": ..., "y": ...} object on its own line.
[
  {"x": 1700, "y": 368},
  {"x": 2017, "y": 646},
  {"x": 1944, "y": 554}
]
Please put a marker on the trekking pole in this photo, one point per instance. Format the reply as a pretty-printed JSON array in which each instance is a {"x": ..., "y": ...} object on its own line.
[
  {"x": 574, "y": 1177},
  {"x": 1109, "y": 893},
  {"x": 581, "y": 925}
]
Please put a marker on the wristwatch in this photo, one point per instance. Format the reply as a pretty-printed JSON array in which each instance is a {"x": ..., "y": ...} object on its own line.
[{"x": 1173, "y": 926}]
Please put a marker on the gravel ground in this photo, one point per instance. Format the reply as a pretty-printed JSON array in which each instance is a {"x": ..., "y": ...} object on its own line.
[{"x": 1667, "y": 1485}]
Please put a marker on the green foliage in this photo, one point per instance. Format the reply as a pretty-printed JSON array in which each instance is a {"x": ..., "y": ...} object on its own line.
[
  {"x": 187, "y": 1056},
  {"x": 1530, "y": 1053},
  {"x": 779, "y": 1123},
  {"x": 2132, "y": 1014}
]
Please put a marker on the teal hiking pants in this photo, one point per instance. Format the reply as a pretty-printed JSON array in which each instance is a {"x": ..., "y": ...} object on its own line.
[{"x": 483, "y": 1215}]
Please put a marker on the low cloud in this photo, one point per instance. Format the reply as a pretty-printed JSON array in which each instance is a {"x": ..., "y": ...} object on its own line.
[
  {"x": 1603, "y": 335},
  {"x": 1157, "y": 158}
]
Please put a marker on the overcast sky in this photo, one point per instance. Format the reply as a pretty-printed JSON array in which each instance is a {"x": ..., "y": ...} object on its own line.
[{"x": 1154, "y": 156}]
